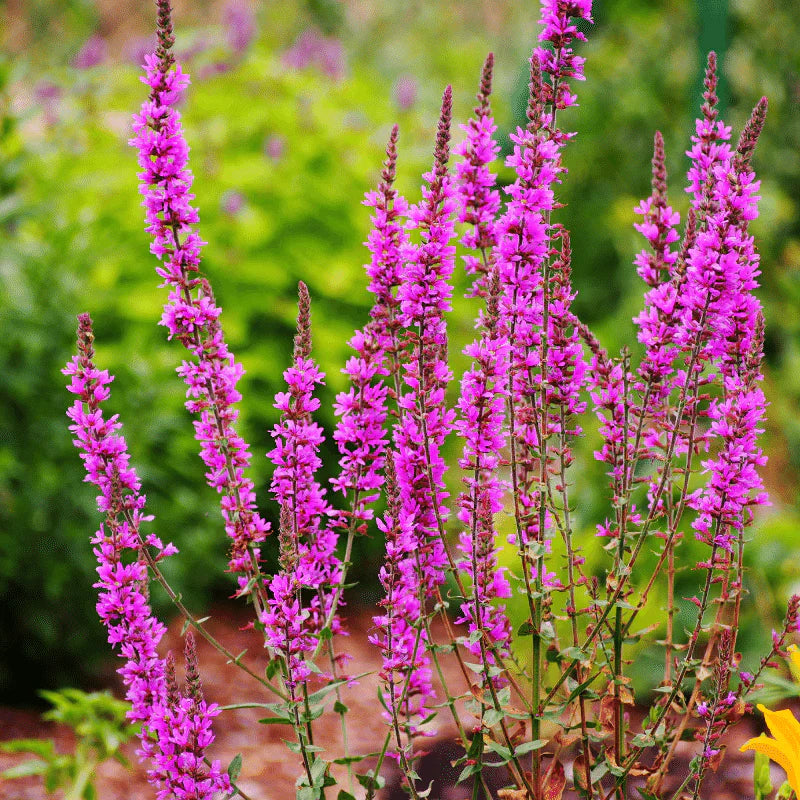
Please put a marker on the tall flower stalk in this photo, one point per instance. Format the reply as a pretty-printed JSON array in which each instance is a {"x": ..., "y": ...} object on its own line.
[
  {"x": 544, "y": 376},
  {"x": 479, "y": 200},
  {"x": 191, "y": 314},
  {"x": 175, "y": 733}
]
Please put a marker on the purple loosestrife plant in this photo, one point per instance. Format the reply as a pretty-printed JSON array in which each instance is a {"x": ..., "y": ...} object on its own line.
[
  {"x": 191, "y": 314},
  {"x": 308, "y": 544},
  {"x": 175, "y": 731},
  {"x": 479, "y": 201},
  {"x": 678, "y": 435}
]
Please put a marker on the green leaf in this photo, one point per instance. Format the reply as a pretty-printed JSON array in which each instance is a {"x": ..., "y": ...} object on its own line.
[
  {"x": 599, "y": 771},
  {"x": 276, "y": 721},
  {"x": 310, "y": 716},
  {"x": 785, "y": 792},
  {"x": 307, "y": 793},
  {"x": 33, "y": 766},
  {"x": 527, "y": 747},
  {"x": 322, "y": 693},
  {"x": 235, "y": 767},
  {"x": 296, "y": 747},
  {"x": 492, "y": 716},
  {"x": 643, "y": 740},
  {"x": 339, "y": 708},
  {"x": 501, "y": 751},
  {"x": 368, "y": 780},
  {"x": 762, "y": 783},
  {"x": 575, "y": 654},
  {"x": 553, "y": 656},
  {"x": 237, "y": 659},
  {"x": 343, "y": 795},
  {"x": 40, "y": 747},
  {"x": 354, "y": 759},
  {"x": 272, "y": 669},
  {"x": 580, "y": 688},
  {"x": 475, "y": 636},
  {"x": 318, "y": 770},
  {"x": 476, "y": 746},
  {"x": 382, "y": 700},
  {"x": 470, "y": 769}
]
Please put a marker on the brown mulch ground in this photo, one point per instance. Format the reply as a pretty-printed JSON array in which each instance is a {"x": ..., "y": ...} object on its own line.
[{"x": 269, "y": 769}]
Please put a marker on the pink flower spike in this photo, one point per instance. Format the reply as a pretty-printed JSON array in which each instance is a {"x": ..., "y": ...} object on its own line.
[
  {"x": 191, "y": 314},
  {"x": 479, "y": 200},
  {"x": 308, "y": 545},
  {"x": 122, "y": 553}
]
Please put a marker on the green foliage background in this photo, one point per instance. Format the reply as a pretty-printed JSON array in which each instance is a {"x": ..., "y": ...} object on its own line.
[{"x": 72, "y": 239}]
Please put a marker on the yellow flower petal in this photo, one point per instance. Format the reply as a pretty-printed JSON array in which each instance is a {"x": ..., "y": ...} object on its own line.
[
  {"x": 784, "y": 749},
  {"x": 771, "y": 749},
  {"x": 794, "y": 654},
  {"x": 785, "y": 728}
]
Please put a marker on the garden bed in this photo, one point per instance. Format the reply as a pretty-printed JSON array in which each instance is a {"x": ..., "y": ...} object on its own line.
[{"x": 269, "y": 770}]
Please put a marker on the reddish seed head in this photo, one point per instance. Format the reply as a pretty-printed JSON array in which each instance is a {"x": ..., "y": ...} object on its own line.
[
  {"x": 485, "y": 90},
  {"x": 173, "y": 692},
  {"x": 536, "y": 95},
  {"x": 302, "y": 340},
  {"x": 390, "y": 165},
  {"x": 442, "y": 151},
  {"x": 659, "y": 171},
  {"x": 165, "y": 34},
  {"x": 749, "y": 138},
  {"x": 194, "y": 686},
  {"x": 85, "y": 338},
  {"x": 710, "y": 83}
]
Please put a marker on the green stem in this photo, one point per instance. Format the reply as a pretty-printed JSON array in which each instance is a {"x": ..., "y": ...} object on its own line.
[
  {"x": 373, "y": 786},
  {"x": 85, "y": 770},
  {"x": 642, "y": 535},
  {"x": 196, "y": 624}
]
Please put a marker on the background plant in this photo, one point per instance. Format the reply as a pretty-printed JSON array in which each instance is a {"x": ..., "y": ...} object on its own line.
[{"x": 101, "y": 729}]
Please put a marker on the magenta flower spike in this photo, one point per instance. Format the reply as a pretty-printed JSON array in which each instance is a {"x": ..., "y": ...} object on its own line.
[
  {"x": 709, "y": 144},
  {"x": 520, "y": 256},
  {"x": 401, "y": 634},
  {"x": 191, "y": 315},
  {"x": 722, "y": 272},
  {"x": 559, "y": 61},
  {"x": 175, "y": 741},
  {"x": 424, "y": 296},
  {"x": 387, "y": 242},
  {"x": 360, "y": 435},
  {"x": 481, "y": 423},
  {"x": 658, "y": 225},
  {"x": 479, "y": 200},
  {"x": 312, "y": 544},
  {"x": 660, "y": 269}
]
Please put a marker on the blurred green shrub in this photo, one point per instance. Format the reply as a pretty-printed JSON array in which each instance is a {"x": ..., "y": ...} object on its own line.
[{"x": 101, "y": 728}]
